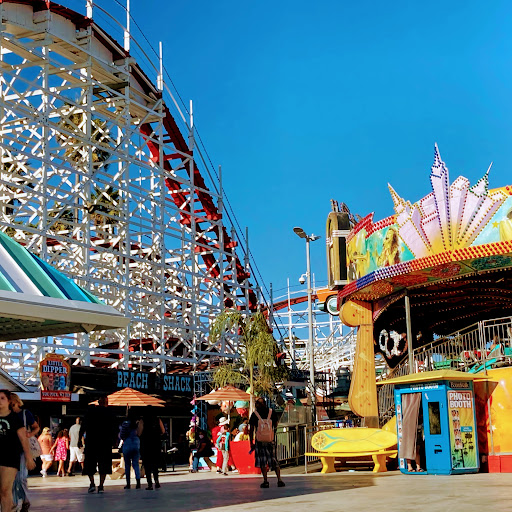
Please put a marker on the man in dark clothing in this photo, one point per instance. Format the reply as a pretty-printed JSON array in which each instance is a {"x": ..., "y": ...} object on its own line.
[
  {"x": 97, "y": 428},
  {"x": 265, "y": 456}
]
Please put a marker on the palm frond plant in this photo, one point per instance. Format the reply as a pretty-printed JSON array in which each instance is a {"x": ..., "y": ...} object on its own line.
[
  {"x": 104, "y": 202},
  {"x": 74, "y": 121},
  {"x": 258, "y": 349}
]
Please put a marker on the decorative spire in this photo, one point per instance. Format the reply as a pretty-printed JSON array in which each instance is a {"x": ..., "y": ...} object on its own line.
[{"x": 397, "y": 200}]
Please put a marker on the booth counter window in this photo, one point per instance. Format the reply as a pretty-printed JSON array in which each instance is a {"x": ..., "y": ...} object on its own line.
[{"x": 434, "y": 418}]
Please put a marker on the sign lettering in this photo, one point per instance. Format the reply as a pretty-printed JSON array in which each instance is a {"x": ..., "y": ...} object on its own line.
[{"x": 55, "y": 376}]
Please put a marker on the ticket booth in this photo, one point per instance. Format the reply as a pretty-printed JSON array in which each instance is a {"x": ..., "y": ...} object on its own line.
[{"x": 436, "y": 423}]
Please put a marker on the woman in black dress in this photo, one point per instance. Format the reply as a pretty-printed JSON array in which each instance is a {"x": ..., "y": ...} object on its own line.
[
  {"x": 150, "y": 431},
  {"x": 13, "y": 442}
]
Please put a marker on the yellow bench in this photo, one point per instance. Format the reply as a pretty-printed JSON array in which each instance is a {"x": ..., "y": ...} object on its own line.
[{"x": 353, "y": 442}]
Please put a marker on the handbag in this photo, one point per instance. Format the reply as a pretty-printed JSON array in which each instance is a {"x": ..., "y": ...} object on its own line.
[
  {"x": 33, "y": 443},
  {"x": 35, "y": 447}
]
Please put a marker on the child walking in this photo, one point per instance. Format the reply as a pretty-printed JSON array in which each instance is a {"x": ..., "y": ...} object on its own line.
[{"x": 223, "y": 446}]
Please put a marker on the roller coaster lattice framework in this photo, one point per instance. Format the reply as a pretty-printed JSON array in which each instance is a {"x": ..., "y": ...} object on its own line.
[{"x": 97, "y": 178}]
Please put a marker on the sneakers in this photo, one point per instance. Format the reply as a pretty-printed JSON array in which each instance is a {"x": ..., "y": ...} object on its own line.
[
  {"x": 265, "y": 485},
  {"x": 92, "y": 488},
  {"x": 100, "y": 489},
  {"x": 43, "y": 473},
  {"x": 280, "y": 483}
]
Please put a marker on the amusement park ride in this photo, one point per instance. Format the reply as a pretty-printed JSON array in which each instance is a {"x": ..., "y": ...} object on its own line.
[{"x": 102, "y": 177}]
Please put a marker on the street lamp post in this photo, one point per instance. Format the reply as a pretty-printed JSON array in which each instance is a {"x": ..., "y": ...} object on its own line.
[{"x": 310, "y": 238}]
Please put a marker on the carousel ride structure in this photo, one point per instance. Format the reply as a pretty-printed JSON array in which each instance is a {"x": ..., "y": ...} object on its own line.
[{"x": 428, "y": 288}]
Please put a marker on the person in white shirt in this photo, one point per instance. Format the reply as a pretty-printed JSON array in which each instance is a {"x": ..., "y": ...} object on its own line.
[{"x": 75, "y": 453}]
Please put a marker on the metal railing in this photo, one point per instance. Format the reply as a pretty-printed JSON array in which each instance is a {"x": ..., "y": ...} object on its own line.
[
  {"x": 290, "y": 443},
  {"x": 309, "y": 432},
  {"x": 476, "y": 347}
]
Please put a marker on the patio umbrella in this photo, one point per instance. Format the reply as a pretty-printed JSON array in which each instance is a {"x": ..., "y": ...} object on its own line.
[
  {"x": 129, "y": 397},
  {"x": 229, "y": 393}
]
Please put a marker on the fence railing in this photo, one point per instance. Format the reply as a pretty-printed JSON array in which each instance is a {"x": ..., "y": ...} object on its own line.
[
  {"x": 476, "y": 347},
  {"x": 290, "y": 443},
  {"x": 309, "y": 432}
]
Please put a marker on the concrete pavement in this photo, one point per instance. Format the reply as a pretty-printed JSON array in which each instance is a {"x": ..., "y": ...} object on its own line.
[{"x": 354, "y": 491}]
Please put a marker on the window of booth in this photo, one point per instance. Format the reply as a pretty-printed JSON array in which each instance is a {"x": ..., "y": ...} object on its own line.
[{"x": 434, "y": 418}]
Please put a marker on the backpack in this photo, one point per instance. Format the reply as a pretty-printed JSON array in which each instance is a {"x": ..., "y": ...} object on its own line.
[{"x": 265, "y": 430}]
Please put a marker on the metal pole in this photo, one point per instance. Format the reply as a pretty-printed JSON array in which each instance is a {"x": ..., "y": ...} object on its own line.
[
  {"x": 310, "y": 335},
  {"x": 127, "y": 30},
  {"x": 409, "y": 333},
  {"x": 271, "y": 309},
  {"x": 290, "y": 332}
]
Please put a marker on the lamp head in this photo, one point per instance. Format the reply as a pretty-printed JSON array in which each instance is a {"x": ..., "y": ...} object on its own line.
[{"x": 300, "y": 232}]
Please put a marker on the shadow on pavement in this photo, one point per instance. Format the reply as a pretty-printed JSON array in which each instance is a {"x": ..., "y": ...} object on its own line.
[{"x": 196, "y": 494}]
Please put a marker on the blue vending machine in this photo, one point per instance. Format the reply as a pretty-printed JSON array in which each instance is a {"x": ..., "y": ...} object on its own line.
[{"x": 443, "y": 404}]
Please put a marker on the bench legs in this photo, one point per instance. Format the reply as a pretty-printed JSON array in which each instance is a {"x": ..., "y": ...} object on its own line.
[
  {"x": 327, "y": 464},
  {"x": 378, "y": 459},
  {"x": 380, "y": 463}
]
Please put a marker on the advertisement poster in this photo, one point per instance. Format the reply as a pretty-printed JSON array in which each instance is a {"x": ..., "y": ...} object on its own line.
[
  {"x": 462, "y": 429},
  {"x": 55, "y": 374}
]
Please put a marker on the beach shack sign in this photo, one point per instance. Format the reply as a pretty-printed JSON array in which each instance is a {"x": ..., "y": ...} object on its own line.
[
  {"x": 55, "y": 375},
  {"x": 150, "y": 382}
]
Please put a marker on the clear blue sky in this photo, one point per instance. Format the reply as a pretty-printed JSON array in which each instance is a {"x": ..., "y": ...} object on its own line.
[{"x": 302, "y": 102}]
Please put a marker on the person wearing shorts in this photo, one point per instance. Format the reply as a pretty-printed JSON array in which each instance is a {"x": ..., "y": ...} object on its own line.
[
  {"x": 97, "y": 429},
  {"x": 46, "y": 443},
  {"x": 13, "y": 442},
  {"x": 20, "y": 489},
  {"x": 75, "y": 454}
]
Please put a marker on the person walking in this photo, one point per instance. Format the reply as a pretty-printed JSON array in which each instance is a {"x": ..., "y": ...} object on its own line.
[
  {"x": 98, "y": 428},
  {"x": 130, "y": 449},
  {"x": 262, "y": 427},
  {"x": 60, "y": 450},
  {"x": 32, "y": 428},
  {"x": 223, "y": 446},
  {"x": 13, "y": 443},
  {"x": 150, "y": 429},
  {"x": 204, "y": 451},
  {"x": 46, "y": 443},
  {"x": 76, "y": 454},
  {"x": 215, "y": 435}
]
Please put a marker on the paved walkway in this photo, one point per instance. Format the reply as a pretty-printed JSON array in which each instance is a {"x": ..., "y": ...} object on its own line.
[{"x": 355, "y": 491}]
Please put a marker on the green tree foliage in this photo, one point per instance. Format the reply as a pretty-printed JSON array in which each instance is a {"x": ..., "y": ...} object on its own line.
[
  {"x": 75, "y": 122},
  {"x": 103, "y": 203},
  {"x": 258, "y": 350}
]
